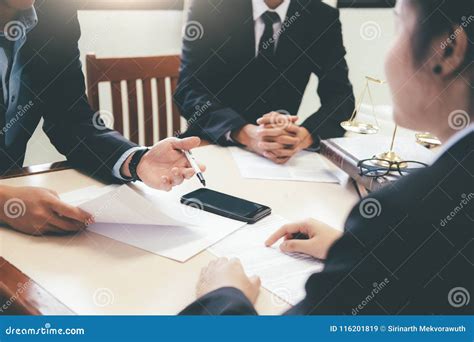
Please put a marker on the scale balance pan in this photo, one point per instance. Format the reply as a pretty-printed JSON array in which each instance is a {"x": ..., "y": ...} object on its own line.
[{"x": 359, "y": 127}]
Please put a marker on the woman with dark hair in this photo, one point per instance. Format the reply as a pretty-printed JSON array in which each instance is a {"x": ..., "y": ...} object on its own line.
[{"x": 415, "y": 255}]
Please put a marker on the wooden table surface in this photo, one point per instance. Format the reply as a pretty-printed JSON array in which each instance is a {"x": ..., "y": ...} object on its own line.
[{"x": 89, "y": 274}]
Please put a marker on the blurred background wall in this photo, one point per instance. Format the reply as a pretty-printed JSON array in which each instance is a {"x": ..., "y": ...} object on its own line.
[{"x": 367, "y": 34}]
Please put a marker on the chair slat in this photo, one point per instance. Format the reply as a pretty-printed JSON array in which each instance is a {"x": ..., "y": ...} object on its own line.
[
  {"x": 148, "y": 111},
  {"x": 162, "y": 113},
  {"x": 176, "y": 112},
  {"x": 133, "y": 110},
  {"x": 117, "y": 106}
]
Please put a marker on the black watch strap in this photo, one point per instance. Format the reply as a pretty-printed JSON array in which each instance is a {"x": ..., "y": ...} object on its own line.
[{"x": 137, "y": 156}]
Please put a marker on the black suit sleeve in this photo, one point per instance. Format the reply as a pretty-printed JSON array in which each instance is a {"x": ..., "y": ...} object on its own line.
[
  {"x": 225, "y": 301},
  {"x": 69, "y": 121},
  {"x": 347, "y": 280},
  {"x": 203, "y": 111},
  {"x": 334, "y": 89}
]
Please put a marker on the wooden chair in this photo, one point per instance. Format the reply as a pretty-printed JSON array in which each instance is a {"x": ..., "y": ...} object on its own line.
[{"x": 131, "y": 70}]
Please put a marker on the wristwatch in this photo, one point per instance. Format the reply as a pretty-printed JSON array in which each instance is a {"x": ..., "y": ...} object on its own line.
[{"x": 132, "y": 167}]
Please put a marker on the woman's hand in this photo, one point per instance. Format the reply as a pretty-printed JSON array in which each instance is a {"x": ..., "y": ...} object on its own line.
[
  {"x": 37, "y": 211},
  {"x": 227, "y": 273},
  {"x": 318, "y": 238}
]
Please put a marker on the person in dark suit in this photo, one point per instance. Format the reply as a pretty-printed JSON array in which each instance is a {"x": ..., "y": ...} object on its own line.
[
  {"x": 245, "y": 68},
  {"x": 41, "y": 77},
  {"x": 407, "y": 249}
]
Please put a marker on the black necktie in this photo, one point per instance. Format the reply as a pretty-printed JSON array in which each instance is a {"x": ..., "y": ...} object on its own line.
[{"x": 266, "y": 47}]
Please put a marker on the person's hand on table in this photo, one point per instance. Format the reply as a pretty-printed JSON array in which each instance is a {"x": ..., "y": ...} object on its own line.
[
  {"x": 317, "y": 236},
  {"x": 276, "y": 137},
  {"x": 227, "y": 273},
  {"x": 38, "y": 211},
  {"x": 293, "y": 140},
  {"x": 165, "y": 165}
]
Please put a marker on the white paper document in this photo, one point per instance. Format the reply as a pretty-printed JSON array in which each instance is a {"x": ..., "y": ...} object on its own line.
[
  {"x": 152, "y": 220},
  {"x": 305, "y": 166},
  {"x": 283, "y": 274}
]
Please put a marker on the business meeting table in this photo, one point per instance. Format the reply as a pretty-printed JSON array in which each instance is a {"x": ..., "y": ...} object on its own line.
[{"x": 88, "y": 274}]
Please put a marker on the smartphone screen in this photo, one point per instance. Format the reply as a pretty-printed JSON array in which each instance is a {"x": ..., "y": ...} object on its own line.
[{"x": 223, "y": 204}]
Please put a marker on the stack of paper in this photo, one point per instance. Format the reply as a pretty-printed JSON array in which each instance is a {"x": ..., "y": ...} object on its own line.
[
  {"x": 283, "y": 274},
  {"x": 152, "y": 220},
  {"x": 305, "y": 166}
]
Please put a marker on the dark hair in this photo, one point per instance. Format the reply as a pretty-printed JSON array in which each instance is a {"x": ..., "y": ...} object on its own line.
[{"x": 440, "y": 17}]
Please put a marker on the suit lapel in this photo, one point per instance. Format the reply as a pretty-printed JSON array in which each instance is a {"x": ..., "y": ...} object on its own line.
[{"x": 243, "y": 30}]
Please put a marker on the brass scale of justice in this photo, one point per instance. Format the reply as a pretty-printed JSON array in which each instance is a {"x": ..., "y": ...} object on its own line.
[{"x": 359, "y": 127}]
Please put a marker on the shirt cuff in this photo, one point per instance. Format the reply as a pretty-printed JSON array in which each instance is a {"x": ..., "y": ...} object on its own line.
[
  {"x": 228, "y": 137},
  {"x": 118, "y": 165}
]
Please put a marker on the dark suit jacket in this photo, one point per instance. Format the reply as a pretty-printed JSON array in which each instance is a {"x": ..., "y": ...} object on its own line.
[
  {"x": 414, "y": 258},
  {"x": 54, "y": 82},
  {"x": 223, "y": 86}
]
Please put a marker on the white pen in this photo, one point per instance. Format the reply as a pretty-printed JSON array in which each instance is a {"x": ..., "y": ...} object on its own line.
[{"x": 195, "y": 166}]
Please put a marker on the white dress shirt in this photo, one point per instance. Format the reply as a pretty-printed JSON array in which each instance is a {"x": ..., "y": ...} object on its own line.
[{"x": 259, "y": 8}]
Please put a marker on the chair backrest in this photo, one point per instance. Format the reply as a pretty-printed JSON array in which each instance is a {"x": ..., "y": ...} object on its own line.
[{"x": 126, "y": 73}]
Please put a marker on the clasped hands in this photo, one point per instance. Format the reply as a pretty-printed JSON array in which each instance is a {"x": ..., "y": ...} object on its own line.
[{"x": 275, "y": 137}]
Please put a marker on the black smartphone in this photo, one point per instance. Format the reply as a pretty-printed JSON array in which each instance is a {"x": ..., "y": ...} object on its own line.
[{"x": 226, "y": 205}]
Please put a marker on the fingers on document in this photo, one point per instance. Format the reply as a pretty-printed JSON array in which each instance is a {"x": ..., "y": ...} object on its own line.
[
  {"x": 286, "y": 231},
  {"x": 68, "y": 211},
  {"x": 63, "y": 225}
]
